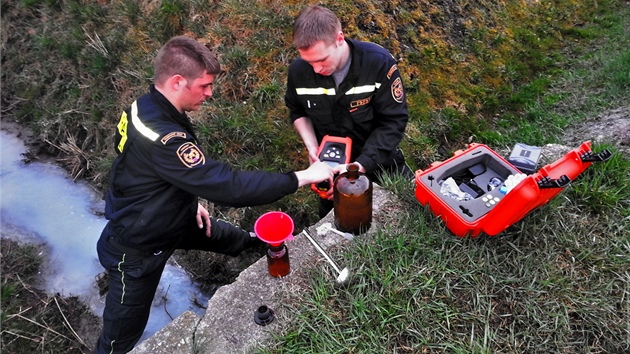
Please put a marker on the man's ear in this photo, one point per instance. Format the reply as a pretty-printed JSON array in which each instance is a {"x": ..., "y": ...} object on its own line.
[
  {"x": 340, "y": 38},
  {"x": 177, "y": 82}
]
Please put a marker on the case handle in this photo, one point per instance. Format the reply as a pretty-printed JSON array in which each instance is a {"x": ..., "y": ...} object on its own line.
[
  {"x": 602, "y": 156},
  {"x": 547, "y": 182}
]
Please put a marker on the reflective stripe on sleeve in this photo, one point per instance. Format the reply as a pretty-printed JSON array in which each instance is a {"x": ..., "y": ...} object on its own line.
[
  {"x": 332, "y": 92},
  {"x": 316, "y": 91},
  {"x": 363, "y": 89},
  {"x": 137, "y": 123}
]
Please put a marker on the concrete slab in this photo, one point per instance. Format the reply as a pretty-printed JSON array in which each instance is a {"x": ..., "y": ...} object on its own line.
[{"x": 228, "y": 325}]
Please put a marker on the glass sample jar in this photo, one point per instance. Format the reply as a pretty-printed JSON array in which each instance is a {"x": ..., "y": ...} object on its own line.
[
  {"x": 352, "y": 201},
  {"x": 278, "y": 260}
]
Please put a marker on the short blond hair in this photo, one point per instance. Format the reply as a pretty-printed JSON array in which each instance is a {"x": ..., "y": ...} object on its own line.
[{"x": 313, "y": 24}]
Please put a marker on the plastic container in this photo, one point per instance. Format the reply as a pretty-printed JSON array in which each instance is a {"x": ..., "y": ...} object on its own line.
[
  {"x": 492, "y": 208},
  {"x": 274, "y": 228},
  {"x": 352, "y": 201}
]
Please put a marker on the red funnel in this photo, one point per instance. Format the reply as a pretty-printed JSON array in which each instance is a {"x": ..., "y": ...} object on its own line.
[{"x": 274, "y": 228}]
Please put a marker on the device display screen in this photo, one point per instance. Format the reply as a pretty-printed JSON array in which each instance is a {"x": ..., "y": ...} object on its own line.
[{"x": 333, "y": 154}]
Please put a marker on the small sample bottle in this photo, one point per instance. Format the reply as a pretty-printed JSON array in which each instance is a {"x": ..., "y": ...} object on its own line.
[
  {"x": 352, "y": 201},
  {"x": 278, "y": 260}
]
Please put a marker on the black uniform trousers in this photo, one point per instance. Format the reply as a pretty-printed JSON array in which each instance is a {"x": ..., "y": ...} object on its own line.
[{"x": 135, "y": 274}]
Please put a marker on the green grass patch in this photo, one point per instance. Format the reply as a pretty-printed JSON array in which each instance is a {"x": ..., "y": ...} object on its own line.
[
  {"x": 555, "y": 281},
  {"x": 490, "y": 72},
  {"x": 550, "y": 283},
  {"x": 604, "y": 188}
]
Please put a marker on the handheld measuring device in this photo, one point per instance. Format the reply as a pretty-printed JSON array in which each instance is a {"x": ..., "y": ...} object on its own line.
[{"x": 334, "y": 151}]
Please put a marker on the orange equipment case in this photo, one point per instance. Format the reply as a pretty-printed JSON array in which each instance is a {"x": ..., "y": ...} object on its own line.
[{"x": 492, "y": 211}]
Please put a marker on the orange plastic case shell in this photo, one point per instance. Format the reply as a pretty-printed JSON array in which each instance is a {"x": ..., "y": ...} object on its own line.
[
  {"x": 512, "y": 207},
  {"x": 347, "y": 142}
]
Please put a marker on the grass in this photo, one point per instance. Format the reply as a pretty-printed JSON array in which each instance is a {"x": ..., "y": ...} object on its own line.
[
  {"x": 33, "y": 321},
  {"x": 554, "y": 282},
  {"x": 75, "y": 65},
  {"x": 605, "y": 187},
  {"x": 490, "y": 72},
  {"x": 557, "y": 281}
]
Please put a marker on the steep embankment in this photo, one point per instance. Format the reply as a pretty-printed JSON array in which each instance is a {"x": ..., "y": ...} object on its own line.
[{"x": 69, "y": 67}]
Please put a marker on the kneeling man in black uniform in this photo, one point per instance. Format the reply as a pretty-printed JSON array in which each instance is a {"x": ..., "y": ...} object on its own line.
[{"x": 152, "y": 203}]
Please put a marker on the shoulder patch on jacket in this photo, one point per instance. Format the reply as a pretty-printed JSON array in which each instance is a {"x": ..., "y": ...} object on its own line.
[
  {"x": 397, "y": 90},
  {"x": 391, "y": 71},
  {"x": 190, "y": 155},
  {"x": 169, "y": 136}
]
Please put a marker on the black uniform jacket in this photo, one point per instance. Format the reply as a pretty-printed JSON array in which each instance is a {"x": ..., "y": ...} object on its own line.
[
  {"x": 369, "y": 106},
  {"x": 160, "y": 172}
]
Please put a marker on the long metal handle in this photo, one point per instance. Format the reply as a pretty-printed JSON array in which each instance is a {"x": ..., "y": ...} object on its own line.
[{"x": 321, "y": 250}]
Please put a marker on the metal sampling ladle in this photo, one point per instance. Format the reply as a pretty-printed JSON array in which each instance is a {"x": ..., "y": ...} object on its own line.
[{"x": 342, "y": 274}]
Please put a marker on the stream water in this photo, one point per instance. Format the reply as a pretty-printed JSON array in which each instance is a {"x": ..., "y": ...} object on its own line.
[{"x": 40, "y": 203}]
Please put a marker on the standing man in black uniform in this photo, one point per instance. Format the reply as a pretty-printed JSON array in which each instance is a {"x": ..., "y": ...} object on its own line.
[
  {"x": 346, "y": 88},
  {"x": 152, "y": 202}
]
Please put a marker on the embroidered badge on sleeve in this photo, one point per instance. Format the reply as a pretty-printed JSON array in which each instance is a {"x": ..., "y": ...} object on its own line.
[
  {"x": 169, "y": 136},
  {"x": 190, "y": 155},
  {"x": 397, "y": 90}
]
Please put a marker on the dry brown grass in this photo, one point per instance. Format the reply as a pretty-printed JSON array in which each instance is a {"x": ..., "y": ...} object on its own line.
[{"x": 33, "y": 321}]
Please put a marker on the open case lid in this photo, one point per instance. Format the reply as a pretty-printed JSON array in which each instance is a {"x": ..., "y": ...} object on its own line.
[
  {"x": 538, "y": 188},
  {"x": 532, "y": 192}
]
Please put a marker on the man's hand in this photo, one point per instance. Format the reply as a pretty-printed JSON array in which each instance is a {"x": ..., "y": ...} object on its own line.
[
  {"x": 337, "y": 170},
  {"x": 203, "y": 217},
  {"x": 317, "y": 172},
  {"x": 312, "y": 156}
]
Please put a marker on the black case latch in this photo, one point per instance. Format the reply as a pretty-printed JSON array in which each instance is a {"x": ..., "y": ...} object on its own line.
[
  {"x": 601, "y": 156},
  {"x": 547, "y": 182}
]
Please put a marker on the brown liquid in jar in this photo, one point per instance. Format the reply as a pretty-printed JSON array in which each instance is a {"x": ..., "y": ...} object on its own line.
[
  {"x": 278, "y": 260},
  {"x": 352, "y": 201}
]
